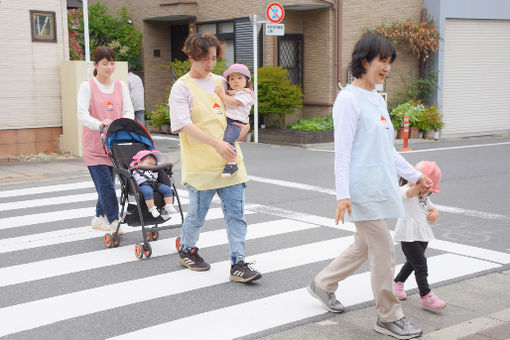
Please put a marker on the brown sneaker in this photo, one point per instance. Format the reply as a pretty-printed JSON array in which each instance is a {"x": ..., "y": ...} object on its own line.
[
  {"x": 243, "y": 272},
  {"x": 192, "y": 260}
]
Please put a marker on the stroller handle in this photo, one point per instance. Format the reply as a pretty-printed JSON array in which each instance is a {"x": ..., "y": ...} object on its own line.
[{"x": 167, "y": 165}]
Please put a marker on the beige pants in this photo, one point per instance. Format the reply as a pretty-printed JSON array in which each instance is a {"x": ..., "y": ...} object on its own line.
[{"x": 372, "y": 241}]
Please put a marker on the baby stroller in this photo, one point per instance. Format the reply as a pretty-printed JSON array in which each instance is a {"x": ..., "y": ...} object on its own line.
[{"x": 124, "y": 138}]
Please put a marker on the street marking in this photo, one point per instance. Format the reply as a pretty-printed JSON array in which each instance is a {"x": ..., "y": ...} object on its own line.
[
  {"x": 109, "y": 257},
  {"x": 451, "y": 247},
  {"x": 175, "y": 139},
  {"x": 472, "y": 213},
  {"x": 302, "y": 186},
  {"x": 28, "y": 315},
  {"x": 457, "y": 147},
  {"x": 41, "y": 202},
  {"x": 432, "y": 150},
  {"x": 8, "y": 245},
  {"x": 46, "y": 189},
  {"x": 292, "y": 306}
]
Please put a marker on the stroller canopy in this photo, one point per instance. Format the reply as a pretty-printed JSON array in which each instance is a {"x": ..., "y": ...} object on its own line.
[{"x": 125, "y": 130}]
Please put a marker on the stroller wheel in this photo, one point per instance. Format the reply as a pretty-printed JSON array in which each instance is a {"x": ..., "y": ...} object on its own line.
[
  {"x": 178, "y": 244},
  {"x": 108, "y": 242},
  {"x": 115, "y": 240},
  {"x": 155, "y": 235},
  {"x": 148, "y": 236},
  {"x": 148, "y": 250},
  {"x": 138, "y": 251}
]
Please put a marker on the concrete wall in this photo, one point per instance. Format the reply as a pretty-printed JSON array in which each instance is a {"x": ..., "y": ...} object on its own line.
[{"x": 30, "y": 109}]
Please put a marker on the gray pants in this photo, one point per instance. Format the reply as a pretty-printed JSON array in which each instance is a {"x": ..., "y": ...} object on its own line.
[
  {"x": 372, "y": 242},
  {"x": 140, "y": 116}
]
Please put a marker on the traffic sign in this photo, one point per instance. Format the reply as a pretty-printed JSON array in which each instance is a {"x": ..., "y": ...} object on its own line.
[
  {"x": 275, "y": 12},
  {"x": 275, "y": 29}
]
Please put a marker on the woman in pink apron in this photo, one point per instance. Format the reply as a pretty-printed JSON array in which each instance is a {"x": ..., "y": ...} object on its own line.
[{"x": 101, "y": 100}]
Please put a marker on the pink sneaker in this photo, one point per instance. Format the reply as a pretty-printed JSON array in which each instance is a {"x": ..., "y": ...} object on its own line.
[
  {"x": 432, "y": 302},
  {"x": 398, "y": 289}
]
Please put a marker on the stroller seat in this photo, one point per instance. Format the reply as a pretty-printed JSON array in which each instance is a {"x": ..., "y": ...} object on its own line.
[{"x": 124, "y": 138}]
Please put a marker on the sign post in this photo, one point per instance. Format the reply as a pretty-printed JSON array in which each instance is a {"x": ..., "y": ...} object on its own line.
[{"x": 274, "y": 14}]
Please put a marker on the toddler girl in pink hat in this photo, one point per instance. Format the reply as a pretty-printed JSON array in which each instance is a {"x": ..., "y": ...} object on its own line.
[
  {"x": 238, "y": 103},
  {"x": 147, "y": 181},
  {"x": 414, "y": 232}
]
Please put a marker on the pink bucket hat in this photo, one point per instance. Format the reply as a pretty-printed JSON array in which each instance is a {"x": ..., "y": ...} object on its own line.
[
  {"x": 239, "y": 68},
  {"x": 144, "y": 153},
  {"x": 431, "y": 170}
]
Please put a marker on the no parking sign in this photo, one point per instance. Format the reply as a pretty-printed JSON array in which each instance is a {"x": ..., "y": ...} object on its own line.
[{"x": 275, "y": 12}]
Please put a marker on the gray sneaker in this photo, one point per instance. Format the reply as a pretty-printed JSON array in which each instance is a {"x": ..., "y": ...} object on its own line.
[
  {"x": 328, "y": 300},
  {"x": 400, "y": 329}
]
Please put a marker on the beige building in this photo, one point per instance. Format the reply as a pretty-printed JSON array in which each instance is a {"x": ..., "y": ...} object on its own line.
[
  {"x": 34, "y": 40},
  {"x": 316, "y": 48}
]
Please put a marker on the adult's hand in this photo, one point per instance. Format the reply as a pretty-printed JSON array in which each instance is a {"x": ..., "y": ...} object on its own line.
[
  {"x": 341, "y": 206},
  {"x": 245, "y": 128},
  {"x": 225, "y": 150},
  {"x": 425, "y": 182},
  {"x": 106, "y": 122}
]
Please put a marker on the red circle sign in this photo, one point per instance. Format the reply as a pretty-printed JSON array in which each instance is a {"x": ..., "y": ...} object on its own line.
[{"x": 275, "y": 12}]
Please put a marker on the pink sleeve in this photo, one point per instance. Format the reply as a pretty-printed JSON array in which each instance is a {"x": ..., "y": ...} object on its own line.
[{"x": 180, "y": 103}]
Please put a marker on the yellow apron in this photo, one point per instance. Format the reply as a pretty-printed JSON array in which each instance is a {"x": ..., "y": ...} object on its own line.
[{"x": 201, "y": 164}]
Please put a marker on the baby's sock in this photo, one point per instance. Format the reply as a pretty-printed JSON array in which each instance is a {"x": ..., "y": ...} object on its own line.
[{"x": 154, "y": 211}]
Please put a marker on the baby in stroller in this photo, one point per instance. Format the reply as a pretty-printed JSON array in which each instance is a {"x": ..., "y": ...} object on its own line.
[{"x": 147, "y": 181}]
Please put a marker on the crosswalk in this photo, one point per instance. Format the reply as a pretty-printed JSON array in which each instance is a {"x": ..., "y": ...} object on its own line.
[{"x": 58, "y": 281}]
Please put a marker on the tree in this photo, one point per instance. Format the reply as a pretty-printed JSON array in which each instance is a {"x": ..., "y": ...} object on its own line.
[{"x": 105, "y": 29}]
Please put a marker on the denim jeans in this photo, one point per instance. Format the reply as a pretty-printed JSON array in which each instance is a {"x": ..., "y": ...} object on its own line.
[
  {"x": 104, "y": 181},
  {"x": 232, "y": 132},
  {"x": 232, "y": 204},
  {"x": 148, "y": 193}
]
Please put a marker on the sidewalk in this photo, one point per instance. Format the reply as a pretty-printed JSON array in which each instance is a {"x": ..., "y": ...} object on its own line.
[{"x": 478, "y": 309}]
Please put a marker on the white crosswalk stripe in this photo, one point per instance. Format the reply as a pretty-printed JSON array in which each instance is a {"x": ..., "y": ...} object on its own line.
[{"x": 66, "y": 260}]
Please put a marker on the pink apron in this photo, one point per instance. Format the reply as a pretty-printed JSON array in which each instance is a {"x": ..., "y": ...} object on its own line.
[{"x": 102, "y": 106}]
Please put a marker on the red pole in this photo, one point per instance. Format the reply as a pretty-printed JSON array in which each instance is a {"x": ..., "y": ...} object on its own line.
[{"x": 406, "y": 134}]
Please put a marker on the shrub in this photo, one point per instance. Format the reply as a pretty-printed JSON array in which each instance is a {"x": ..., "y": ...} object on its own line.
[
  {"x": 313, "y": 124},
  {"x": 276, "y": 94},
  {"x": 414, "y": 111},
  {"x": 433, "y": 118}
]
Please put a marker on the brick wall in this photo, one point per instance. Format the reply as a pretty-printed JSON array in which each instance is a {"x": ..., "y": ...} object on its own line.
[
  {"x": 28, "y": 141},
  {"x": 356, "y": 15}
]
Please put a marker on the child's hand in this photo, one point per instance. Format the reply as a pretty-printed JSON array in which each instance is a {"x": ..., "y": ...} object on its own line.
[
  {"x": 432, "y": 216},
  {"x": 220, "y": 91}
]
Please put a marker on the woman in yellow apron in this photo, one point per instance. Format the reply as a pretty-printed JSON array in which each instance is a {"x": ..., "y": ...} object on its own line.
[{"x": 198, "y": 115}]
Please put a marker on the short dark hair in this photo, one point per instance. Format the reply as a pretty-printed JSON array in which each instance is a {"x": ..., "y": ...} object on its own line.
[
  {"x": 102, "y": 52},
  {"x": 367, "y": 48},
  {"x": 197, "y": 46}
]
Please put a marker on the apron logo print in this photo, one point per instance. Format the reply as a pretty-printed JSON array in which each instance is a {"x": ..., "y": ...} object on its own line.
[
  {"x": 109, "y": 106},
  {"x": 217, "y": 108},
  {"x": 384, "y": 122}
]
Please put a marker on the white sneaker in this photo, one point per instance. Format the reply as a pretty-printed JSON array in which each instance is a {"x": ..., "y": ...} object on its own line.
[
  {"x": 170, "y": 209},
  {"x": 99, "y": 223},
  {"x": 154, "y": 211},
  {"x": 112, "y": 227}
]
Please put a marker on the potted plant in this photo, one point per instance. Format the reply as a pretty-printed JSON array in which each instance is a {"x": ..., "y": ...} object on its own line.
[
  {"x": 414, "y": 111},
  {"x": 160, "y": 117},
  {"x": 434, "y": 123}
]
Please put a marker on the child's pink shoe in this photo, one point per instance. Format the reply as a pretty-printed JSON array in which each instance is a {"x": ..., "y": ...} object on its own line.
[
  {"x": 398, "y": 289},
  {"x": 432, "y": 302}
]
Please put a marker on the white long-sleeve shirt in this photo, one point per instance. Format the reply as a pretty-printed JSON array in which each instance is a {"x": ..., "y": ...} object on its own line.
[
  {"x": 346, "y": 114},
  {"x": 83, "y": 103}
]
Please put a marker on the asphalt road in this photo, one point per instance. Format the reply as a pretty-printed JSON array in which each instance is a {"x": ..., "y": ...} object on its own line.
[{"x": 58, "y": 281}]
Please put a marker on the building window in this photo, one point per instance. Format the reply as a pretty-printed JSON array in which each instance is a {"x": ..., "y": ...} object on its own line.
[
  {"x": 224, "y": 31},
  {"x": 290, "y": 56}
]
